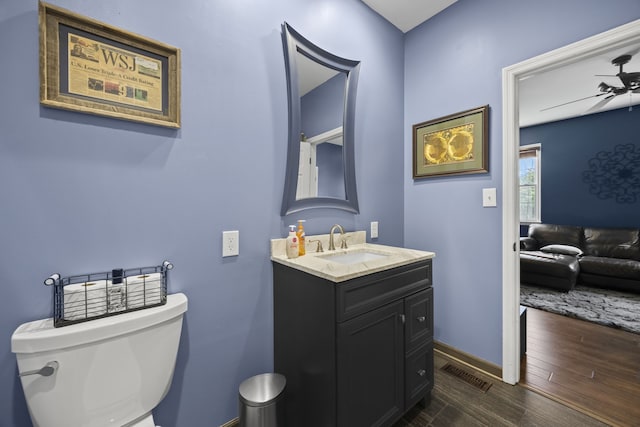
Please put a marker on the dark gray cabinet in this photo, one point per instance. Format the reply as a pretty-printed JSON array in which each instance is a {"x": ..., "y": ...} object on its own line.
[{"x": 355, "y": 353}]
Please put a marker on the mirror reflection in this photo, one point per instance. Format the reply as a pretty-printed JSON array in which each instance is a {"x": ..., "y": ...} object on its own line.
[
  {"x": 320, "y": 167},
  {"x": 320, "y": 170}
]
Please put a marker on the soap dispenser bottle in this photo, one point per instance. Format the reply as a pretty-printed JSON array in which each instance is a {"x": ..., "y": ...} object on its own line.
[
  {"x": 292, "y": 243},
  {"x": 301, "y": 240}
]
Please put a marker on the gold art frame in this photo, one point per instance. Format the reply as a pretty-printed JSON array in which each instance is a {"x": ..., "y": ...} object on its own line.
[
  {"x": 456, "y": 144},
  {"x": 91, "y": 67}
]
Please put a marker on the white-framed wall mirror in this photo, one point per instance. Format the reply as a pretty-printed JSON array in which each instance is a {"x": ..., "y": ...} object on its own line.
[{"x": 320, "y": 155}]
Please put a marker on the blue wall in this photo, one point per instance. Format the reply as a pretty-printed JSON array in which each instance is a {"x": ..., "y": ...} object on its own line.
[
  {"x": 453, "y": 62},
  {"x": 331, "y": 170},
  {"x": 83, "y": 193},
  {"x": 568, "y": 149},
  {"x": 323, "y": 107}
]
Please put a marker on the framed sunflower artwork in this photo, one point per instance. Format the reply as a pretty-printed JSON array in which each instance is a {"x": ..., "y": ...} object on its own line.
[{"x": 452, "y": 145}]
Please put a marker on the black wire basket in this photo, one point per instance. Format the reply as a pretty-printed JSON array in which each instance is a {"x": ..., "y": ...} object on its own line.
[{"x": 91, "y": 296}]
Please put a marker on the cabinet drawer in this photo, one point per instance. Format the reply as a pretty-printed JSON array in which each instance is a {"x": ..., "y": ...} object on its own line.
[
  {"x": 419, "y": 317},
  {"x": 366, "y": 293},
  {"x": 418, "y": 375}
]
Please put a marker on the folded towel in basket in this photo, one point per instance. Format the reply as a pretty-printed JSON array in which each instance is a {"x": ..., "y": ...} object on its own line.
[
  {"x": 84, "y": 300},
  {"x": 144, "y": 290}
]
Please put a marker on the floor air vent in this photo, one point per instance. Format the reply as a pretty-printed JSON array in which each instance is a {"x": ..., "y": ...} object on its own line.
[{"x": 467, "y": 377}]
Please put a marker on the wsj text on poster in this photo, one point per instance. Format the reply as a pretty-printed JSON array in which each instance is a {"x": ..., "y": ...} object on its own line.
[{"x": 108, "y": 73}]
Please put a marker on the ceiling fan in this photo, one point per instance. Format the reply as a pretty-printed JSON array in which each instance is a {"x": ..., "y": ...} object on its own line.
[{"x": 630, "y": 84}]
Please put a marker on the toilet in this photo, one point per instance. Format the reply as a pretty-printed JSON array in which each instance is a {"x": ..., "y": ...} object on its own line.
[{"x": 111, "y": 371}]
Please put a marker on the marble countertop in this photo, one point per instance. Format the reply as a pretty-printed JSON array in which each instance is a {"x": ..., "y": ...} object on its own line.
[{"x": 315, "y": 263}]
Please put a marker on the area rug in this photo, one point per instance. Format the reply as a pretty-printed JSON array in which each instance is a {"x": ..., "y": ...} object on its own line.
[{"x": 610, "y": 308}]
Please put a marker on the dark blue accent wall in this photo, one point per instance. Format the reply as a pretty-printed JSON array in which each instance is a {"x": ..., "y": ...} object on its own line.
[{"x": 590, "y": 169}]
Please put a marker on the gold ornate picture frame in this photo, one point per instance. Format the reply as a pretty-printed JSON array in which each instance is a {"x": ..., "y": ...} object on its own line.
[
  {"x": 452, "y": 145},
  {"x": 91, "y": 67}
]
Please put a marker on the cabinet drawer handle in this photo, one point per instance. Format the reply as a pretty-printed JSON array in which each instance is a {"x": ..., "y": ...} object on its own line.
[
  {"x": 422, "y": 372},
  {"x": 421, "y": 319}
]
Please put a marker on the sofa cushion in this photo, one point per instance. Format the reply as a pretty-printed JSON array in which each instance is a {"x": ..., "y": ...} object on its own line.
[
  {"x": 612, "y": 267},
  {"x": 551, "y": 264},
  {"x": 612, "y": 242},
  {"x": 548, "y": 269},
  {"x": 562, "y": 249},
  {"x": 550, "y": 234}
]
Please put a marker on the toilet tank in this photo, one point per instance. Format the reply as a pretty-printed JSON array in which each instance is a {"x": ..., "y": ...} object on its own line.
[{"x": 111, "y": 371}]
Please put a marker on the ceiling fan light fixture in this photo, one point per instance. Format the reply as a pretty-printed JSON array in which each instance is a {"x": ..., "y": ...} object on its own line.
[
  {"x": 621, "y": 60},
  {"x": 630, "y": 81}
]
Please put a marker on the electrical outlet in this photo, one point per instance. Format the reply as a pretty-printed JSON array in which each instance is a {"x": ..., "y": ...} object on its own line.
[
  {"x": 374, "y": 229},
  {"x": 230, "y": 243}
]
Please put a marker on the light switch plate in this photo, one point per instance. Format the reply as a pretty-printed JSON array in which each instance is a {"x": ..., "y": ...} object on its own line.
[
  {"x": 230, "y": 243},
  {"x": 489, "y": 197}
]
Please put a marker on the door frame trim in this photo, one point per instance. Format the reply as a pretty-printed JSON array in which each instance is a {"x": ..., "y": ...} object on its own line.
[{"x": 617, "y": 38}]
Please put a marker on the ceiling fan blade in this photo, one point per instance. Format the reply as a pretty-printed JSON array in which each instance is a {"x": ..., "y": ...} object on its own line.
[
  {"x": 599, "y": 104},
  {"x": 575, "y": 100},
  {"x": 634, "y": 77}
]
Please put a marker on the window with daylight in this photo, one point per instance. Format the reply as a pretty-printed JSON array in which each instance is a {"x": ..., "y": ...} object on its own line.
[{"x": 529, "y": 172}]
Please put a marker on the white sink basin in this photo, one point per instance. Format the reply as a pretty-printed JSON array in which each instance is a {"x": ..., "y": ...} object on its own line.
[{"x": 354, "y": 257}]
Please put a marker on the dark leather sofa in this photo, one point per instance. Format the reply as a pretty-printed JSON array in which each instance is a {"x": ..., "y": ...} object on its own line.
[{"x": 559, "y": 256}]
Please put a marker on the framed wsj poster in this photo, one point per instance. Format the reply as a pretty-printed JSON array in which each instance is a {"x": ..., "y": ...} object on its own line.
[{"x": 91, "y": 67}]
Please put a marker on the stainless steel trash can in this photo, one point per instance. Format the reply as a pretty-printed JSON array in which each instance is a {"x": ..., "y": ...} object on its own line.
[{"x": 261, "y": 401}]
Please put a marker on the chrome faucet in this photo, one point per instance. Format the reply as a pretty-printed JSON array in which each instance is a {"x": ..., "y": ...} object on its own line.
[
  {"x": 343, "y": 245},
  {"x": 319, "y": 247}
]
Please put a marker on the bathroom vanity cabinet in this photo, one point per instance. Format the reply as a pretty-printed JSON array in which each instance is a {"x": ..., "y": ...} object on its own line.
[{"x": 354, "y": 353}]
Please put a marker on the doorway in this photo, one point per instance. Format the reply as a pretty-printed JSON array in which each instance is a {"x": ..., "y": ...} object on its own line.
[{"x": 616, "y": 38}]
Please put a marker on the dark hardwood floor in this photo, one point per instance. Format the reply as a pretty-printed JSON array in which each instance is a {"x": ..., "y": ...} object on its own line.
[
  {"x": 587, "y": 366},
  {"x": 455, "y": 402}
]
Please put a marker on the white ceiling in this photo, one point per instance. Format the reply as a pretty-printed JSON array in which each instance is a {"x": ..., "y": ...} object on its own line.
[
  {"x": 554, "y": 87},
  {"x": 571, "y": 84},
  {"x": 407, "y": 14},
  {"x": 311, "y": 74}
]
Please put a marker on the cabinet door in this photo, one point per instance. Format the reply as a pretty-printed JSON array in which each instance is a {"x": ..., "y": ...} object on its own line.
[
  {"x": 419, "y": 309},
  {"x": 371, "y": 368}
]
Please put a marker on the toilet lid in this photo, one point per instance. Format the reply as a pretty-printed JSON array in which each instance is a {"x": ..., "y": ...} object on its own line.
[{"x": 40, "y": 335}]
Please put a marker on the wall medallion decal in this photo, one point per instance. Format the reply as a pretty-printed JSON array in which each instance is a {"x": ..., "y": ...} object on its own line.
[{"x": 615, "y": 174}]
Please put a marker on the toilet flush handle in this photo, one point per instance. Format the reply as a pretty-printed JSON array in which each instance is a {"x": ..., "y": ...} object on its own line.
[{"x": 46, "y": 371}]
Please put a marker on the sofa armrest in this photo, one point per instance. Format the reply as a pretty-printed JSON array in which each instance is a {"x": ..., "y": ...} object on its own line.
[{"x": 528, "y": 244}]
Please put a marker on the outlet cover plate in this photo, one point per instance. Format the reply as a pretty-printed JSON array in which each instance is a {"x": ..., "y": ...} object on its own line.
[
  {"x": 374, "y": 229},
  {"x": 230, "y": 243}
]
